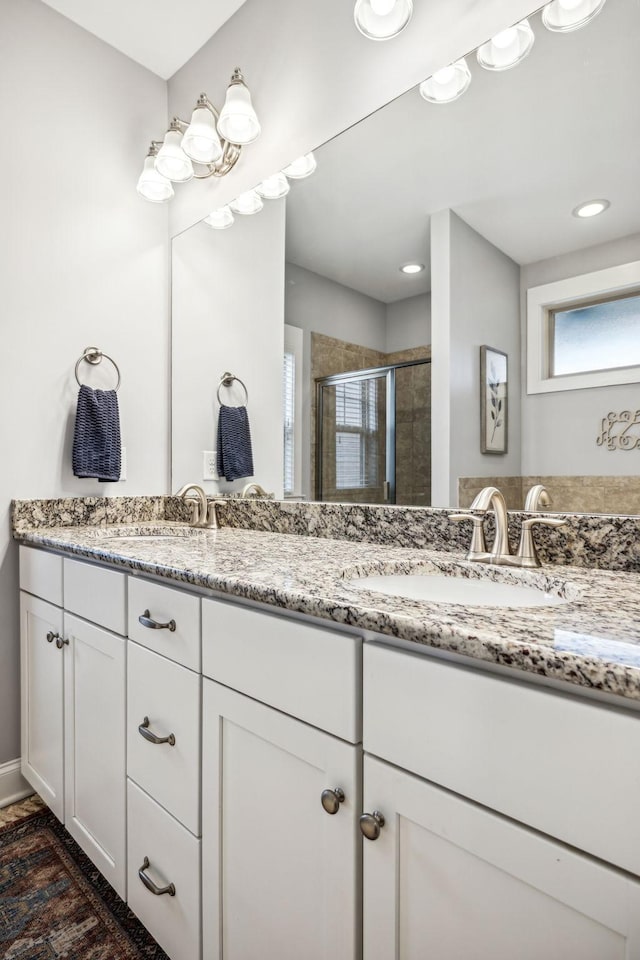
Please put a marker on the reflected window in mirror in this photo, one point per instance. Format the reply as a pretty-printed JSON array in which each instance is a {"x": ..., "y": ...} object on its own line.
[
  {"x": 602, "y": 335},
  {"x": 292, "y": 411}
]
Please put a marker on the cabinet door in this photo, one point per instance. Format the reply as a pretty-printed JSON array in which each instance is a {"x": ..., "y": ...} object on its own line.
[
  {"x": 42, "y": 681},
  {"x": 95, "y": 796},
  {"x": 280, "y": 874},
  {"x": 452, "y": 880}
]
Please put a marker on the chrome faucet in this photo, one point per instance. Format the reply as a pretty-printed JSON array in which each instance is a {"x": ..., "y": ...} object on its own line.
[
  {"x": 252, "y": 488},
  {"x": 201, "y": 515},
  {"x": 490, "y": 498},
  {"x": 537, "y": 497}
]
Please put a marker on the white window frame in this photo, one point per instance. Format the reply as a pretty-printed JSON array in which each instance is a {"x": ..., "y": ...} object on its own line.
[
  {"x": 293, "y": 343},
  {"x": 542, "y": 300}
]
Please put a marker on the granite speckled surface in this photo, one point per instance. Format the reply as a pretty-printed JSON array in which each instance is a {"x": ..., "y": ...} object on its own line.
[{"x": 591, "y": 641}]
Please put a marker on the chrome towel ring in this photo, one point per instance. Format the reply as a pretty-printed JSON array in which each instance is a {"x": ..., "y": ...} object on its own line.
[
  {"x": 94, "y": 355},
  {"x": 226, "y": 380}
]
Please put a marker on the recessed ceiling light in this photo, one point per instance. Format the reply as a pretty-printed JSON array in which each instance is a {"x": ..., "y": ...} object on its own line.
[
  {"x": 591, "y": 208},
  {"x": 412, "y": 268}
]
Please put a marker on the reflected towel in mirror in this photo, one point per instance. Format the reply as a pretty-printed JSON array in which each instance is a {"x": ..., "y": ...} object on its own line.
[{"x": 234, "y": 456}]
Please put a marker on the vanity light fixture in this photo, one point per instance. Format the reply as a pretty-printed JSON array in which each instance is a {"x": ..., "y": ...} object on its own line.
[
  {"x": 507, "y": 48},
  {"x": 247, "y": 203},
  {"x": 411, "y": 268},
  {"x": 562, "y": 16},
  {"x": 220, "y": 219},
  {"x": 382, "y": 19},
  {"x": 273, "y": 188},
  {"x": 301, "y": 168},
  {"x": 591, "y": 208},
  {"x": 211, "y": 141},
  {"x": 151, "y": 184},
  {"x": 448, "y": 84}
]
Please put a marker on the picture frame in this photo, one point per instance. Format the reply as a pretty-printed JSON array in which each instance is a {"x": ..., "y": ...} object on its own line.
[{"x": 494, "y": 400}]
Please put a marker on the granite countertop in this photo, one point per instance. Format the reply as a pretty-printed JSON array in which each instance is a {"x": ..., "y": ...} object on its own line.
[{"x": 592, "y": 641}]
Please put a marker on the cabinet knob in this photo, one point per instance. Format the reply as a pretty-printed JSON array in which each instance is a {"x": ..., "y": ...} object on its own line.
[
  {"x": 51, "y": 636},
  {"x": 331, "y": 800},
  {"x": 150, "y": 885},
  {"x": 61, "y": 642},
  {"x": 147, "y": 621},
  {"x": 371, "y": 824},
  {"x": 144, "y": 731}
]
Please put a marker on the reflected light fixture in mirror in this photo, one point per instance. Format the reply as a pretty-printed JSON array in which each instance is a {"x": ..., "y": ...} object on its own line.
[
  {"x": 210, "y": 140},
  {"x": 151, "y": 184},
  {"x": 273, "y": 188},
  {"x": 562, "y": 16},
  {"x": 382, "y": 19},
  {"x": 507, "y": 48},
  {"x": 220, "y": 219},
  {"x": 301, "y": 168},
  {"x": 591, "y": 208},
  {"x": 247, "y": 203},
  {"x": 448, "y": 84}
]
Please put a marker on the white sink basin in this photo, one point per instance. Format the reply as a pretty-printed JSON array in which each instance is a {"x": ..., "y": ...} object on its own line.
[{"x": 463, "y": 591}]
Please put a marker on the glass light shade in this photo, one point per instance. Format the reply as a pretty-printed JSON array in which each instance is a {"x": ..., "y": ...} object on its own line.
[
  {"x": 507, "y": 48},
  {"x": 201, "y": 141},
  {"x": 172, "y": 162},
  {"x": 238, "y": 121},
  {"x": 448, "y": 84},
  {"x": 274, "y": 187},
  {"x": 220, "y": 219},
  {"x": 301, "y": 168},
  {"x": 561, "y": 16},
  {"x": 152, "y": 185},
  {"x": 382, "y": 19},
  {"x": 247, "y": 203}
]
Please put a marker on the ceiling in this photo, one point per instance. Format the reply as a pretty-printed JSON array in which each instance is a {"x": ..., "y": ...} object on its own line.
[
  {"x": 513, "y": 157},
  {"x": 159, "y": 34}
]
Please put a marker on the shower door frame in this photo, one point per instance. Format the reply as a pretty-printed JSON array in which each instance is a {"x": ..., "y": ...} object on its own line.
[{"x": 371, "y": 373}]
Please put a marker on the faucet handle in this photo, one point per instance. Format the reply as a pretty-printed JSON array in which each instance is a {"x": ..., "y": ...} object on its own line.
[
  {"x": 527, "y": 553},
  {"x": 478, "y": 542}
]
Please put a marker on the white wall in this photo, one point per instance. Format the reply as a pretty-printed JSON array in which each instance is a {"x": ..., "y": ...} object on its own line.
[
  {"x": 475, "y": 301},
  {"x": 228, "y": 314},
  {"x": 83, "y": 261},
  {"x": 408, "y": 323},
  {"x": 559, "y": 430},
  {"x": 312, "y": 75}
]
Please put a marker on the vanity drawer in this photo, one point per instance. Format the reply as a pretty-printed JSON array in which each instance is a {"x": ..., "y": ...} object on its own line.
[
  {"x": 169, "y": 695},
  {"x": 164, "y": 605},
  {"x": 555, "y": 762},
  {"x": 41, "y": 574},
  {"x": 95, "y": 594},
  {"x": 305, "y": 671},
  {"x": 174, "y": 857}
]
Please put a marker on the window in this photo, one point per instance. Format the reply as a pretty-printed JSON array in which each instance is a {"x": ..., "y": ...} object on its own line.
[
  {"x": 357, "y": 434},
  {"x": 584, "y": 331},
  {"x": 292, "y": 411}
]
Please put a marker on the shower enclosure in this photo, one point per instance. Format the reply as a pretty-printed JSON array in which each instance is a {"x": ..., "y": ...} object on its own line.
[{"x": 373, "y": 435}]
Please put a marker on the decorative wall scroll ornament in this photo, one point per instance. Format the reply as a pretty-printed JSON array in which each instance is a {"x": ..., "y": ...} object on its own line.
[
  {"x": 620, "y": 431},
  {"x": 493, "y": 400}
]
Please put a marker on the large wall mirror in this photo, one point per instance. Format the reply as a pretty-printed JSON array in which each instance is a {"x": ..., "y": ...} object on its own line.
[{"x": 382, "y": 397}]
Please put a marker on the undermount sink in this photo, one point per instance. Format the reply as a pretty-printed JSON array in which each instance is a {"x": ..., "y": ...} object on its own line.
[
  {"x": 146, "y": 533},
  {"x": 436, "y": 587}
]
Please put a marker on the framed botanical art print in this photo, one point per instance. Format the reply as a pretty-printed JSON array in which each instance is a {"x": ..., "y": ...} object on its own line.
[{"x": 493, "y": 400}]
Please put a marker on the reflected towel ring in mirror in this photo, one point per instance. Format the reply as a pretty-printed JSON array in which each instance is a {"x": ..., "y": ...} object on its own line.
[
  {"x": 94, "y": 356},
  {"x": 226, "y": 380}
]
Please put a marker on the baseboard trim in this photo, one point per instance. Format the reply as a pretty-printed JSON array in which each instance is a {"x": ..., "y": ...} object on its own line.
[{"x": 13, "y": 786}]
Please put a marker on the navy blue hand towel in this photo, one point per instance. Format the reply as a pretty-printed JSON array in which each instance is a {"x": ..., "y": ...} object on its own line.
[
  {"x": 235, "y": 456},
  {"x": 96, "y": 439}
]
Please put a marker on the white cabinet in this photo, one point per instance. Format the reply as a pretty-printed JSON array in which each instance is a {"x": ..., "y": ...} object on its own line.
[
  {"x": 95, "y": 806},
  {"x": 42, "y": 682},
  {"x": 449, "y": 879},
  {"x": 280, "y": 874}
]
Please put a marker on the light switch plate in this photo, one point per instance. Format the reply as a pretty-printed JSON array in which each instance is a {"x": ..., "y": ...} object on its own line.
[{"x": 209, "y": 465}]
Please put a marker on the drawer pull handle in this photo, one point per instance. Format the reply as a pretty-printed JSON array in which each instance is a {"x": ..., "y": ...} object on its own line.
[
  {"x": 150, "y": 885},
  {"x": 371, "y": 824},
  {"x": 51, "y": 636},
  {"x": 331, "y": 800},
  {"x": 61, "y": 642},
  {"x": 144, "y": 731},
  {"x": 146, "y": 620}
]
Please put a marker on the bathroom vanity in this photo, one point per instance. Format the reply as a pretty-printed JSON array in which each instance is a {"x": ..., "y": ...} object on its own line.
[{"x": 264, "y": 760}]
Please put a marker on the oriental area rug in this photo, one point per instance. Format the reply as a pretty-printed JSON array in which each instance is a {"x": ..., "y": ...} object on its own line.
[{"x": 54, "y": 904}]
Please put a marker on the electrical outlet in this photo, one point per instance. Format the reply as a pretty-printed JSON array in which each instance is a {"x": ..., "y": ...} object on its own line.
[
  {"x": 123, "y": 464},
  {"x": 209, "y": 465}
]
